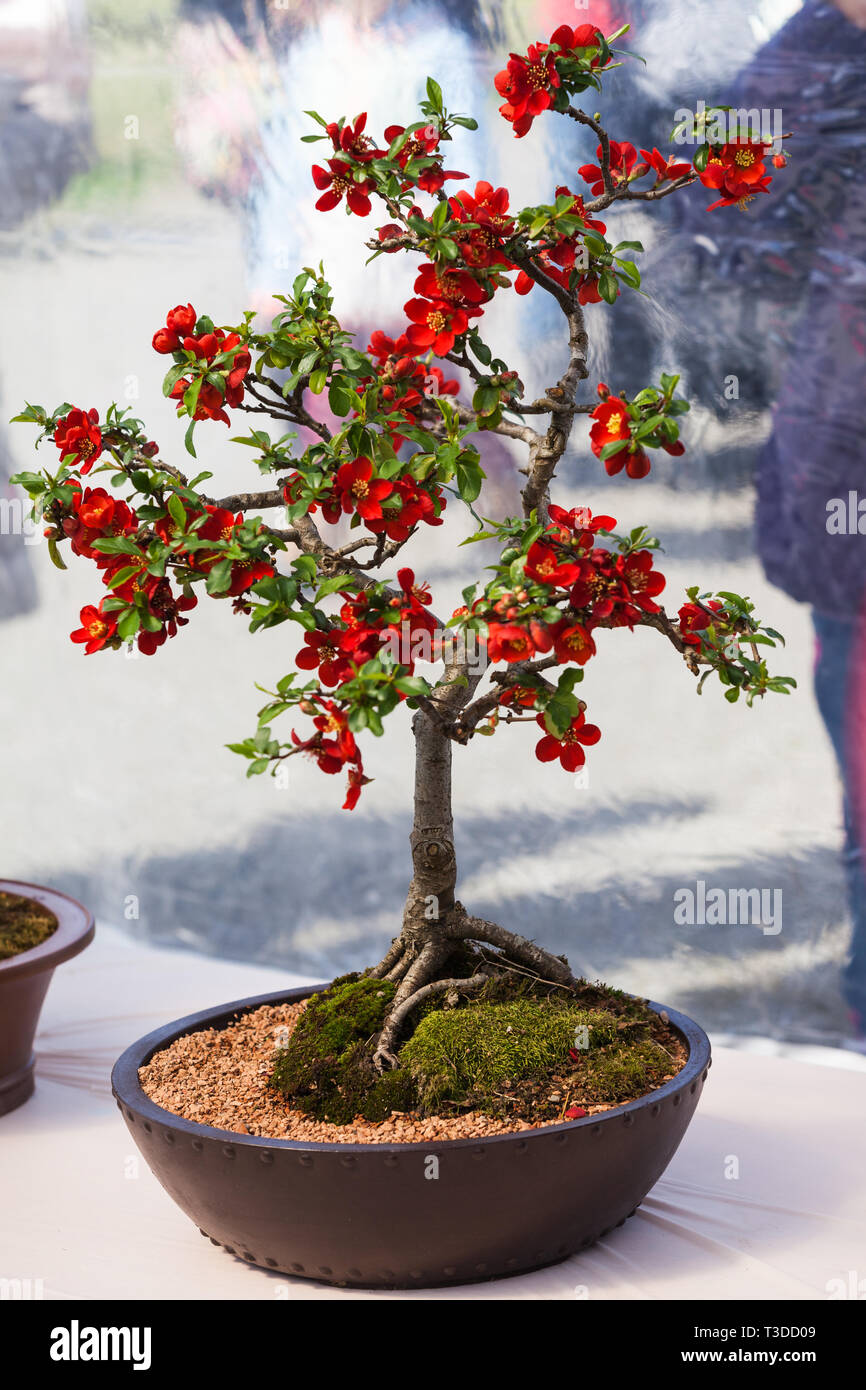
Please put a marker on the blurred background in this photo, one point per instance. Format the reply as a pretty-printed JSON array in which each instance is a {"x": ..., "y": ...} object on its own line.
[{"x": 150, "y": 156}]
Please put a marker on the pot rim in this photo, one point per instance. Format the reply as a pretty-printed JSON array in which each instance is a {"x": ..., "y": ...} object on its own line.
[
  {"x": 127, "y": 1090},
  {"x": 75, "y": 930}
]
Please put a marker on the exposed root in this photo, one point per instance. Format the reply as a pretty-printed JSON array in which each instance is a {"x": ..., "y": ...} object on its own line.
[
  {"x": 390, "y": 959},
  {"x": 541, "y": 962},
  {"x": 429, "y": 957},
  {"x": 396, "y": 973},
  {"x": 398, "y": 1016},
  {"x": 413, "y": 970}
]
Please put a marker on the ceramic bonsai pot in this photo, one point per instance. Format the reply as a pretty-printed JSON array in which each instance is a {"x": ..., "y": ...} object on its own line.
[
  {"x": 24, "y": 980},
  {"x": 367, "y": 1215}
]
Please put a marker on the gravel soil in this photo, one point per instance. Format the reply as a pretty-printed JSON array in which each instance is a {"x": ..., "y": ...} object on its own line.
[{"x": 219, "y": 1077}]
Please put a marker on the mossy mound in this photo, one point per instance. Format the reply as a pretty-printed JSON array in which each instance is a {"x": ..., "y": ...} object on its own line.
[
  {"x": 468, "y": 1055},
  {"x": 326, "y": 1068},
  {"x": 23, "y": 924},
  {"x": 518, "y": 1049}
]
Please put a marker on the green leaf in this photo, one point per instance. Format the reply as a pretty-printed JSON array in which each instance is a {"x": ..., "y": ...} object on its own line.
[
  {"x": 614, "y": 447},
  {"x": 187, "y": 439},
  {"x": 220, "y": 577},
  {"x": 469, "y": 480},
  {"x": 306, "y": 566},
  {"x": 629, "y": 272},
  {"x": 412, "y": 685},
  {"x": 702, "y": 157},
  {"x": 434, "y": 94},
  {"x": 318, "y": 380},
  {"x": 177, "y": 511},
  {"x": 607, "y": 286},
  {"x": 129, "y": 624}
]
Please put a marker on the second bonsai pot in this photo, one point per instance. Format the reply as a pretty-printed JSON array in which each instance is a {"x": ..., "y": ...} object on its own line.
[
  {"x": 24, "y": 980},
  {"x": 374, "y": 1215}
]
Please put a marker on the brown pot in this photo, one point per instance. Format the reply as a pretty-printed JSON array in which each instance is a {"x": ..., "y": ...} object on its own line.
[
  {"x": 364, "y": 1215},
  {"x": 24, "y": 980}
]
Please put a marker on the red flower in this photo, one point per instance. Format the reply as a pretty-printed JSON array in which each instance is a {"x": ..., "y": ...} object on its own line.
[
  {"x": 458, "y": 287},
  {"x": 622, "y": 160},
  {"x": 694, "y": 619},
  {"x": 357, "y": 780},
  {"x": 527, "y": 84},
  {"x": 543, "y": 565},
  {"x": 487, "y": 207},
  {"x": 434, "y": 324},
  {"x": 339, "y": 181},
  {"x": 78, "y": 434},
  {"x": 642, "y": 581},
  {"x": 359, "y": 491},
  {"x": 422, "y": 145},
  {"x": 165, "y": 341},
  {"x": 598, "y": 588},
  {"x": 322, "y": 652},
  {"x": 573, "y": 642},
  {"x": 96, "y": 629},
  {"x": 612, "y": 422},
  {"x": 333, "y": 747},
  {"x": 182, "y": 319},
  {"x": 665, "y": 169},
  {"x": 351, "y": 139},
  {"x": 738, "y": 171},
  {"x": 508, "y": 642},
  {"x": 579, "y": 521},
  {"x": 584, "y": 36},
  {"x": 523, "y": 696},
  {"x": 569, "y": 748}
]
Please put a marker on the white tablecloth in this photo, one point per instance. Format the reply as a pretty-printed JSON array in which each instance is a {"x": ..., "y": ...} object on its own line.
[{"x": 82, "y": 1213}]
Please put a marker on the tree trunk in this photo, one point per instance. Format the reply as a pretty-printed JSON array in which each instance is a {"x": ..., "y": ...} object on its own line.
[{"x": 430, "y": 901}]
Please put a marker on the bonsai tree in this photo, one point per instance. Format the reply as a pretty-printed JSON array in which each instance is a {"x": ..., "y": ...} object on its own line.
[{"x": 393, "y": 450}]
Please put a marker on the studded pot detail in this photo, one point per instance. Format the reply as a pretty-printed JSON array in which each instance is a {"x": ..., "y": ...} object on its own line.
[{"x": 374, "y": 1215}]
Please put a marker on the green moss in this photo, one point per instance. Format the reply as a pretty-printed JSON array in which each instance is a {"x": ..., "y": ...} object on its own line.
[
  {"x": 23, "y": 924},
  {"x": 620, "y": 1075},
  {"x": 470, "y": 1053},
  {"x": 326, "y": 1068}
]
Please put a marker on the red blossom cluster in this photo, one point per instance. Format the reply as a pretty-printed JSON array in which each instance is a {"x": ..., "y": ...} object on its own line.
[
  {"x": 530, "y": 80},
  {"x": 365, "y": 620},
  {"x": 591, "y": 587},
  {"x": 424, "y": 143},
  {"x": 333, "y": 744},
  {"x": 178, "y": 337},
  {"x": 559, "y": 261},
  {"x": 737, "y": 171},
  {"x": 387, "y": 506},
  {"x": 214, "y": 524},
  {"x": 614, "y": 423},
  {"x": 93, "y": 514}
]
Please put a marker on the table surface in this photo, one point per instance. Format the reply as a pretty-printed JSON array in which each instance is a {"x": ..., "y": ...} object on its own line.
[{"x": 764, "y": 1198}]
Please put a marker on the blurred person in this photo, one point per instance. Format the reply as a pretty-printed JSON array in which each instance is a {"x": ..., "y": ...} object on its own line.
[{"x": 806, "y": 243}]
